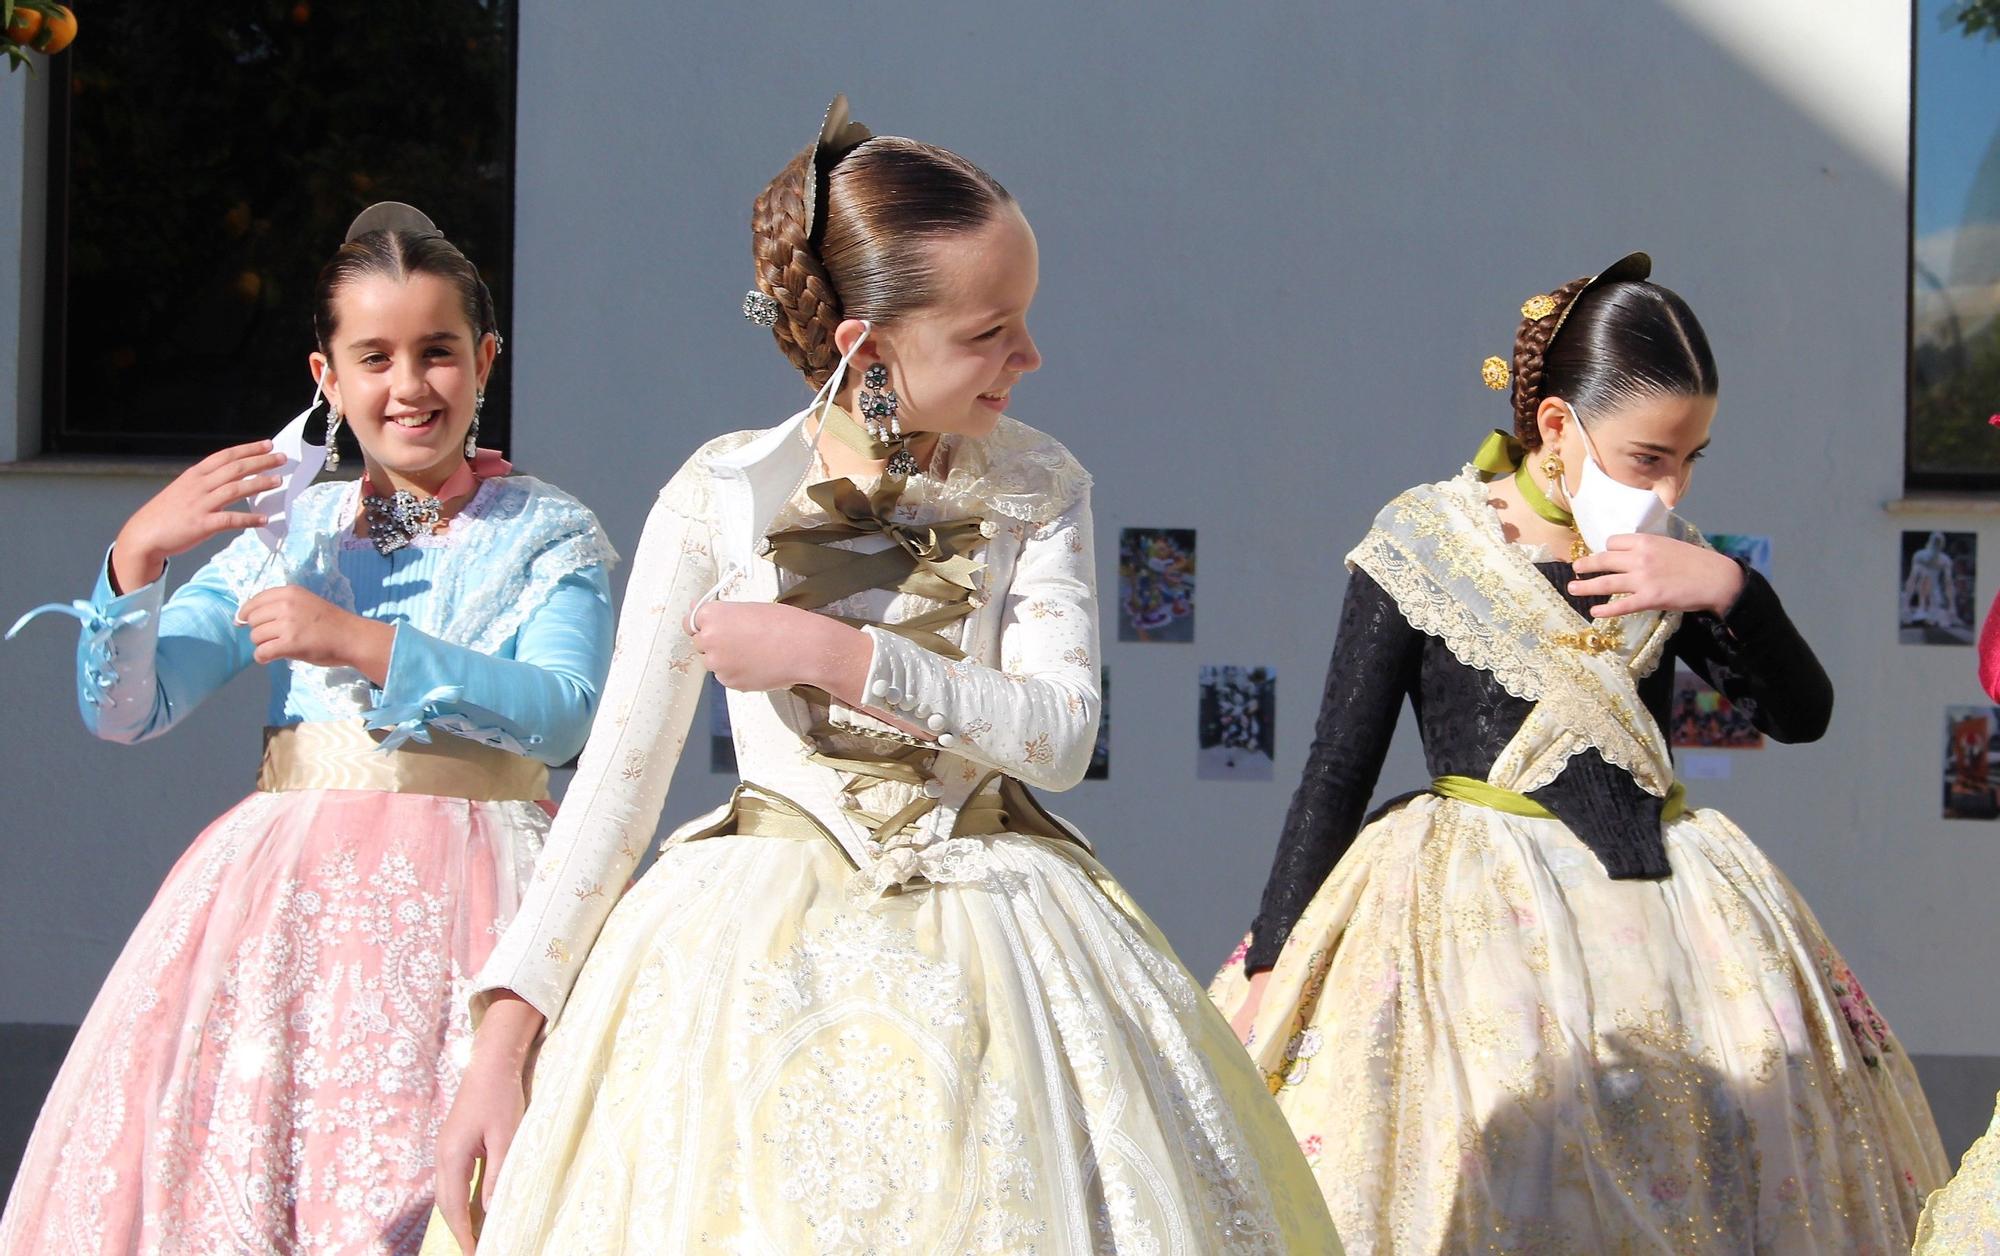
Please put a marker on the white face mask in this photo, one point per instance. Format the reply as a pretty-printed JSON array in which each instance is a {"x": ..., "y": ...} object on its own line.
[
  {"x": 1604, "y": 507},
  {"x": 303, "y": 461}
]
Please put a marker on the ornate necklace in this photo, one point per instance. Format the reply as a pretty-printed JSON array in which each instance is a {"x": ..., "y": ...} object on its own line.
[{"x": 396, "y": 520}]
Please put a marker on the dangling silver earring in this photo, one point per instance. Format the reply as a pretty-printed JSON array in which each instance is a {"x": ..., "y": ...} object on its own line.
[
  {"x": 879, "y": 404},
  {"x": 472, "y": 433},
  {"x": 332, "y": 435}
]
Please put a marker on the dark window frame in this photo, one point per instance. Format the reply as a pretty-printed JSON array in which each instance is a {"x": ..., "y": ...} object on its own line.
[
  {"x": 56, "y": 440},
  {"x": 1916, "y": 479}
]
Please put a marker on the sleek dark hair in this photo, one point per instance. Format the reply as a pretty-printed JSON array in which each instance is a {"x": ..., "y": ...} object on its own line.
[
  {"x": 883, "y": 204},
  {"x": 1622, "y": 341},
  {"x": 397, "y": 254}
]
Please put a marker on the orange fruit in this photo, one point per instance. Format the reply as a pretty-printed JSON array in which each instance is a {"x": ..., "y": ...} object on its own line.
[
  {"x": 57, "y": 31},
  {"x": 301, "y": 13},
  {"x": 24, "y": 25}
]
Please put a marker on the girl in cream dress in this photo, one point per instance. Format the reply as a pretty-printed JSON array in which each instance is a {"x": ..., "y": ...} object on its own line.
[{"x": 882, "y": 999}]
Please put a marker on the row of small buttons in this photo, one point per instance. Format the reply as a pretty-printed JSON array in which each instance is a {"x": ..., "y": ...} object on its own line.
[{"x": 927, "y": 715}]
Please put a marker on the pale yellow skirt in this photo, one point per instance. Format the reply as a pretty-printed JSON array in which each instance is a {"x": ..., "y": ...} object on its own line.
[
  {"x": 1010, "y": 1059},
  {"x": 1485, "y": 1044},
  {"x": 1963, "y": 1219}
]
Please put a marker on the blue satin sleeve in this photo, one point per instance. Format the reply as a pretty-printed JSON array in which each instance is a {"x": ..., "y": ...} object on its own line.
[
  {"x": 144, "y": 660},
  {"x": 537, "y": 703}
]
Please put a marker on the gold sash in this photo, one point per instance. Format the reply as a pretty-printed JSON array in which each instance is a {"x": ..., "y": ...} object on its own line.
[
  {"x": 758, "y": 812},
  {"x": 341, "y": 754}
]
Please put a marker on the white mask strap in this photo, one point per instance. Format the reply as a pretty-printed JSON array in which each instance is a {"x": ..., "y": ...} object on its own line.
[{"x": 823, "y": 399}]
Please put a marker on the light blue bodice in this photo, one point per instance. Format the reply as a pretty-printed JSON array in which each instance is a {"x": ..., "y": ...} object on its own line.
[{"x": 503, "y": 625}]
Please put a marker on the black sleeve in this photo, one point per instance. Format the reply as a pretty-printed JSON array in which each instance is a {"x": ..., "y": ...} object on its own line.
[
  {"x": 1757, "y": 659},
  {"x": 1376, "y": 659}
]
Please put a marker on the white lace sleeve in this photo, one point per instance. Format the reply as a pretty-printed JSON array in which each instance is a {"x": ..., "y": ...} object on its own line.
[
  {"x": 609, "y": 814},
  {"x": 1036, "y": 716}
]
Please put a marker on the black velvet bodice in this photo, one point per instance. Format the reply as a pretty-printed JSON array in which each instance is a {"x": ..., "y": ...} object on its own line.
[{"x": 1754, "y": 655}]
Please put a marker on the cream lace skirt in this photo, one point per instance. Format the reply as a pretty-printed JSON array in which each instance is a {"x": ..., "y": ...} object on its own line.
[
  {"x": 1963, "y": 1219},
  {"x": 751, "y": 1062},
  {"x": 1487, "y": 1045}
]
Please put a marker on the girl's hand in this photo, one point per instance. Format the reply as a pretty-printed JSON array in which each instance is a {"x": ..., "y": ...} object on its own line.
[
  {"x": 757, "y": 646},
  {"x": 1246, "y": 1016},
  {"x": 192, "y": 509},
  {"x": 492, "y": 1099},
  {"x": 289, "y": 623},
  {"x": 1657, "y": 573}
]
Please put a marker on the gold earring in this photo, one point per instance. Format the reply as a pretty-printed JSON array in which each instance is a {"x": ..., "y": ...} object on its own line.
[{"x": 1552, "y": 467}]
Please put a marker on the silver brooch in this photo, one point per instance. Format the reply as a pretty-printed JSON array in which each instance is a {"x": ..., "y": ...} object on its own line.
[
  {"x": 760, "y": 309},
  {"x": 396, "y": 520}
]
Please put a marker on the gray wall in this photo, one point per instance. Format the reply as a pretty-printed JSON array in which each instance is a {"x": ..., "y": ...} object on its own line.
[{"x": 1276, "y": 242}]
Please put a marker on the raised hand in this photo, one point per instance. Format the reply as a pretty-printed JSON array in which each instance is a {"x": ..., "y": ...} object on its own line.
[
  {"x": 195, "y": 507},
  {"x": 1657, "y": 573}
]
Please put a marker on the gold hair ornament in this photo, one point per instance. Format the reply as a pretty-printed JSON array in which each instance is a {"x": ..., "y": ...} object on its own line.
[
  {"x": 1494, "y": 373},
  {"x": 1538, "y": 307}
]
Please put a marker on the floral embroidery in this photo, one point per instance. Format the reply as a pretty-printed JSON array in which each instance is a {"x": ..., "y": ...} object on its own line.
[
  {"x": 304, "y": 1023},
  {"x": 1038, "y": 749},
  {"x": 1076, "y": 656},
  {"x": 1871, "y": 1032}
]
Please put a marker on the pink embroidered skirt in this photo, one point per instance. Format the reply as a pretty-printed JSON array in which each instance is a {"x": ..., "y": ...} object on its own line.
[{"x": 267, "y": 1066}]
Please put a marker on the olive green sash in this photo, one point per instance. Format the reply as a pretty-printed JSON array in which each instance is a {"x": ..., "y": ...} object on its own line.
[{"x": 1484, "y": 794}]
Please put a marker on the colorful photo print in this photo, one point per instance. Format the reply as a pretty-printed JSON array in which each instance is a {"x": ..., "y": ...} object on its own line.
[
  {"x": 1704, "y": 719},
  {"x": 1100, "y": 754},
  {"x": 721, "y": 741},
  {"x": 1971, "y": 781},
  {"x": 1156, "y": 584},
  {"x": 1935, "y": 602},
  {"x": 1754, "y": 550},
  {"x": 1238, "y": 734}
]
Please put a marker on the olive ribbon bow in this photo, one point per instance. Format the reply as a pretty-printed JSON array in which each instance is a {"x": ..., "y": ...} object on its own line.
[
  {"x": 1501, "y": 453},
  {"x": 929, "y": 560}
]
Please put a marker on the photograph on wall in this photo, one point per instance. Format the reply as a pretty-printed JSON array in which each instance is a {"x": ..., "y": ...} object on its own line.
[
  {"x": 1970, "y": 779},
  {"x": 1935, "y": 594},
  {"x": 1954, "y": 294},
  {"x": 1238, "y": 730},
  {"x": 1156, "y": 584},
  {"x": 1754, "y": 550},
  {"x": 1100, "y": 754},
  {"x": 721, "y": 741},
  {"x": 1703, "y": 719}
]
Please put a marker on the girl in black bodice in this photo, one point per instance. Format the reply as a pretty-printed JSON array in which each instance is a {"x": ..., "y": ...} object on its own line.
[{"x": 1548, "y": 1004}]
